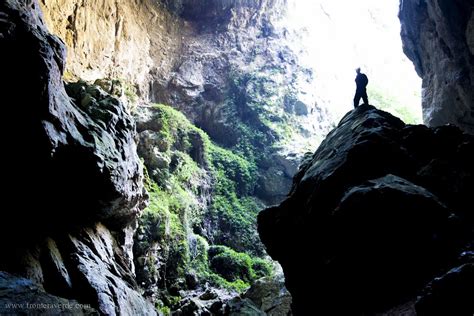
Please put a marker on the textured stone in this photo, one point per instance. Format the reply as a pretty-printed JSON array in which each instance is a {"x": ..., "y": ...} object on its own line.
[
  {"x": 449, "y": 294},
  {"x": 271, "y": 296},
  {"x": 82, "y": 158},
  {"x": 73, "y": 163},
  {"x": 19, "y": 296},
  {"x": 100, "y": 271},
  {"x": 438, "y": 36},
  {"x": 377, "y": 207},
  {"x": 114, "y": 39},
  {"x": 228, "y": 65}
]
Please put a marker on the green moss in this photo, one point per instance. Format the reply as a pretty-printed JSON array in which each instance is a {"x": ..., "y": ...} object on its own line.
[
  {"x": 163, "y": 221},
  {"x": 262, "y": 267},
  {"x": 164, "y": 310},
  {"x": 234, "y": 266},
  {"x": 233, "y": 180},
  {"x": 174, "y": 219}
]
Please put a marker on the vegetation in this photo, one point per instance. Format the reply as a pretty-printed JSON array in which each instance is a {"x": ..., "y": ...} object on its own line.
[
  {"x": 267, "y": 114},
  {"x": 234, "y": 266},
  {"x": 394, "y": 106},
  {"x": 177, "y": 218}
]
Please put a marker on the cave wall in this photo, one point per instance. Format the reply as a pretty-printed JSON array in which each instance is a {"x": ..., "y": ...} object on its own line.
[
  {"x": 75, "y": 181},
  {"x": 230, "y": 66},
  {"x": 438, "y": 37},
  {"x": 125, "y": 40}
]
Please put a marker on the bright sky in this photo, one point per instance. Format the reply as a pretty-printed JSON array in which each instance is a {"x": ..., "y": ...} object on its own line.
[{"x": 341, "y": 35}]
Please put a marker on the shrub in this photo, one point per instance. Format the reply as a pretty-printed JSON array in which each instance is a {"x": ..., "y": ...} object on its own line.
[{"x": 233, "y": 266}]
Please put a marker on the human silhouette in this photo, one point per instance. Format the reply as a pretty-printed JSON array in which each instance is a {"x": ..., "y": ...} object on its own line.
[{"x": 361, "y": 92}]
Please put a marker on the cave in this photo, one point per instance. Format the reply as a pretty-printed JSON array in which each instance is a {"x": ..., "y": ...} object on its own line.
[{"x": 184, "y": 157}]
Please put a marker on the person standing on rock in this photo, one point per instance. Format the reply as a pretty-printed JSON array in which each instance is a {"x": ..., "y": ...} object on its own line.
[{"x": 361, "y": 92}]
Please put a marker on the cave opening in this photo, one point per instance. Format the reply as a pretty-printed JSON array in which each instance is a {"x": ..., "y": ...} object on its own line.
[{"x": 337, "y": 36}]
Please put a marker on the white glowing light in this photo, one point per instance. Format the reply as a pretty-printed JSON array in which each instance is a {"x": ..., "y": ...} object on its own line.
[{"x": 341, "y": 35}]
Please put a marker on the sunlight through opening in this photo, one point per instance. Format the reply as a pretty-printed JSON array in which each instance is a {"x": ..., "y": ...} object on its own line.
[{"x": 337, "y": 36}]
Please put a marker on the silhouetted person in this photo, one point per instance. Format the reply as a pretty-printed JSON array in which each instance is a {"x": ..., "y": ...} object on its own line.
[{"x": 361, "y": 92}]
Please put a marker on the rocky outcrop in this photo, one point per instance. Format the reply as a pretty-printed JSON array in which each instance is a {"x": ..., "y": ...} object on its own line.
[
  {"x": 450, "y": 293},
  {"x": 438, "y": 36},
  {"x": 230, "y": 66},
  {"x": 200, "y": 201},
  {"x": 267, "y": 296},
  {"x": 382, "y": 208},
  {"x": 270, "y": 296},
  {"x": 82, "y": 152},
  {"x": 20, "y": 296},
  {"x": 240, "y": 81},
  {"x": 74, "y": 158},
  {"x": 115, "y": 39}
]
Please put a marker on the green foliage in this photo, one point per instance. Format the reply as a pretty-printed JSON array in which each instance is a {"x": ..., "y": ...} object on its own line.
[
  {"x": 264, "y": 122},
  {"x": 164, "y": 222},
  {"x": 262, "y": 267},
  {"x": 391, "y": 104},
  {"x": 234, "y": 178},
  {"x": 234, "y": 266},
  {"x": 237, "y": 173},
  {"x": 201, "y": 265},
  {"x": 173, "y": 210}
]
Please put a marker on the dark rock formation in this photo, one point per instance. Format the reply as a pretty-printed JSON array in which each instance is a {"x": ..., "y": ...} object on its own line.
[
  {"x": 70, "y": 164},
  {"x": 450, "y": 294},
  {"x": 377, "y": 212},
  {"x": 82, "y": 161},
  {"x": 438, "y": 36},
  {"x": 19, "y": 296}
]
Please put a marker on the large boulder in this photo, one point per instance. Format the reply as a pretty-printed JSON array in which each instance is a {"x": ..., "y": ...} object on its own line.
[
  {"x": 449, "y": 294},
  {"x": 270, "y": 295},
  {"x": 373, "y": 215},
  {"x": 438, "y": 36}
]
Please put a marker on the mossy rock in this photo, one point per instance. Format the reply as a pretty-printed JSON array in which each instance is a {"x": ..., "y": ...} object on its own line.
[{"x": 231, "y": 265}]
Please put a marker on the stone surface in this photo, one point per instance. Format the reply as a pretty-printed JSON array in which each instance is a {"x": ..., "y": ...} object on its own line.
[
  {"x": 19, "y": 296},
  {"x": 83, "y": 164},
  {"x": 101, "y": 274},
  {"x": 114, "y": 39},
  {"x": 438, "y": 37},
  {"x": 449, "y": 294},
  {"x": 270, "y": 296},
  {"x": 86, "y": 264},
  {"x": 73, "y": 164},
  {"x": 230, "y": 66},
  {"x": 377, "y": 208}
]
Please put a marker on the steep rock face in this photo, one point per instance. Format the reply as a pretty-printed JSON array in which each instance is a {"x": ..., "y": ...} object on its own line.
[
  {"x": 200, "y": 202},
  {"x": 228, "y": 65},
  {"x": 67, "y": 145},
  {"x": 240, "y": 81},
  {"x": 22, "y": 296},
  {"x": 438, "y": 36},
  {"x": 125, "y": 40},
  {"x": 383, "y": 209},
  {"x": 75, "y": 158}
]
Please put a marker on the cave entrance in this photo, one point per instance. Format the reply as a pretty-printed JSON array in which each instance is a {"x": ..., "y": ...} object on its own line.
[{"x": 338, "y": 36}]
